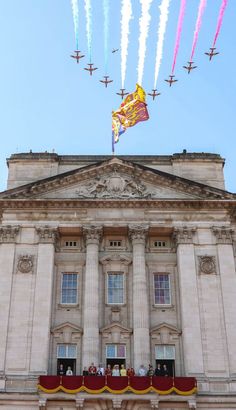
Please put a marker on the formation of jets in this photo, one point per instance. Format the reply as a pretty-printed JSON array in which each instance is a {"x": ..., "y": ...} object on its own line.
[
  {"x": 190, "y": 67},
  {"x": 106, "y": 79},
  {"x": 212, "y": 53}
]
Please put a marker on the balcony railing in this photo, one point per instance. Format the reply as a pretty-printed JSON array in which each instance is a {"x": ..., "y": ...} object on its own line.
[{"x": 118, "y": 385}]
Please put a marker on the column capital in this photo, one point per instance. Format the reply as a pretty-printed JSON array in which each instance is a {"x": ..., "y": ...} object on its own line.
[
  {"x": 47, "y": 234},
  {"x": 92, "y": 233},
  {"x": 184, "y": 234},
  {"x": 223, "y": 234},
  {"x": 138, "y": 233},
  {"x": 8, "y": 233}
]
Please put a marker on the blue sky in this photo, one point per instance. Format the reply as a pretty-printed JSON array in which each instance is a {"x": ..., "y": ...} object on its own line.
[{"x": 48, "y": 102}]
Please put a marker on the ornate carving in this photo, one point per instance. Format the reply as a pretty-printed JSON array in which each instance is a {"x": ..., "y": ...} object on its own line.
[
  {"x": 223, "y": 234},
  {"x": 116, "y": 403},
  {"x": 154, "y": 403},
  {"x": 192, "y": 404},
  {"x": 42, "y": 403},
  {"x": 93, "y": 233},
  {"x": 207, "y": 264},
  {"x": 114, "y": 186},
  {"x": 114, "y": 257},
  {"x": 25, "y": 264},
  {"x": 79, "y": 403},
  {"x": 184, "y": 235},
  {"x": 47, "y": 234},
  {"x": 8, "y": 233},
  {"x": 138, "y": 233}
]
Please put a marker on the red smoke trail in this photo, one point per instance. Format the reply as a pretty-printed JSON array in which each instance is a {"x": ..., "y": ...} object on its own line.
[
  {"x": 201, "y": 9},
  {"x": 220, "y": 18},
  {"x": 178, "y": 32}
]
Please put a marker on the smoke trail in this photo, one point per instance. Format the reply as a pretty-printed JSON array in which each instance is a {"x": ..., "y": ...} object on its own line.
[
  {"x": 88, "y": 11},
  {"x": 106, "y": 31},
  {"x": 164, "y": 9},
  {"x": 143, "y": 30},
  {"x": 220, "y": 19},
  {"x": 126, "y": 15},
  {"x": 201, "y": 9},
  {"x": 75, "y": 11},
  {"x": 178, "y": 32}
]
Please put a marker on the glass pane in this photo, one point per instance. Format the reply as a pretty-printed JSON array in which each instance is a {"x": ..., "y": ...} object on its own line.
[
  {"x": 61, "y": 351},
  {"x": 159, "y": 352},
  {"x": 115, "y": 288},
  {"x": 169, "y": 352},
  {"x": 121, "y": 351},
  {"x": 162, "y": 289},
  {"x": 71, "y": 351},
  {"x": 69, "y": 288},
  {"x": 111, "y": 351}
]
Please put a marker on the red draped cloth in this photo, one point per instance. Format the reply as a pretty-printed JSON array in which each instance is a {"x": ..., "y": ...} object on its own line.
[{"x": 117, "y": 384}]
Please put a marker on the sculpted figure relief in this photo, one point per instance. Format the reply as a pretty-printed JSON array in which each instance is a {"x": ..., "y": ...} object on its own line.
[{"x": 114, "y": 186}]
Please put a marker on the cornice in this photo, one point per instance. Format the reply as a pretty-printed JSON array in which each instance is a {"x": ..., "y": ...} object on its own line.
[{"x": 59, "y": 204}]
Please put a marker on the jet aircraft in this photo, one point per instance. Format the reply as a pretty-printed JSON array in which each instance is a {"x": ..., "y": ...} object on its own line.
[
  {"x": 212, "y": 53},
  {"x": 122, "y": 93},
  {"x": 106, "y": 81},
  {"x": 171, "y": 81},
  {"x": 90, "y": 68},
  {"x": 154, "y": 94},
  {"x": 114, "y": 50},
  {"x": 77, "y": 56},
  {"x": 190, "y": 66}
]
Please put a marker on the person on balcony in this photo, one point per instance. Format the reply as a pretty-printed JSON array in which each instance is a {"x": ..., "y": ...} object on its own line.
[
  {"x": 123, "y": 371},
  {"x": 150, "y": 371},
  {"x": 85, "y": 371},
  {"x": 142, "y": 371},
  {"x": 61, "y": 370},
  {"x": 92, "y": 370},
  {"x": 158, "y": 370},
  {"x": 116, "y": 370},
  {"x": 108, "y": 371},
  {"x": 69, "y": 371},
  {"x": 130, "y": 371},
  {"x": 100, "y": 370},
  {"x": 165, "y": 371}
]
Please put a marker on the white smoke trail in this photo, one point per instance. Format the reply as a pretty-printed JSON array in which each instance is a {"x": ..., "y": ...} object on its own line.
[
  {"x": 126, "y": 15},
  {"x": 164, "y": 10},
  {"x": 143, "y": 30},
  {"x": 106, "y": 31},
  {"x": 75, "y": 11},
  {"x": 88, "y": 12}
]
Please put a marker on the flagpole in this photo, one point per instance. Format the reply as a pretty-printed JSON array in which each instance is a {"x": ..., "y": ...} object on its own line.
[{"x": 112, "y": 143}]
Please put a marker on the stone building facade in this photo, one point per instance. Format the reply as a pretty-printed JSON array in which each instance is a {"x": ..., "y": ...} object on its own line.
[{"x": 126, "y": 259}]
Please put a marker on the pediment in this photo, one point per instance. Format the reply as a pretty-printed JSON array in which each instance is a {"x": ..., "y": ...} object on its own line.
[
  {"x": 165, "y": 333},
  {"x": 165, "y": 327},
  {"x": 115, "y": 179},
  {"x": 115, "y": 328},
  {"x": 66, "y": 327}
]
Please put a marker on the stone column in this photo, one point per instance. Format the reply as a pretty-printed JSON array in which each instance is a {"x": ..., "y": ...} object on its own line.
[
  {"x": 226, "y": 261},
  {"x": 8, "y": 235},
  {"x": 90, "y": 348},
  {"x": 190, "y": 313},
  {"x": 47, "y": 237},
  {"x": 141, "y": 335}
]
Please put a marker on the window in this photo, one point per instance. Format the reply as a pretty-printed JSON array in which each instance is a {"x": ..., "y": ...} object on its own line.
[
  {"x": 70, "y": 244},
  {"x": 69, "y": 288},
  {"x": 66, "y": 351},
  {"x": 115, "y": 244},
  {"x": 162, "y": 289},
  {"x": 160, "y": 244},
  {"x": 116, "y": 351},
  {"x": 115, "y": 288},
  {"x": 165, "y": 352}
]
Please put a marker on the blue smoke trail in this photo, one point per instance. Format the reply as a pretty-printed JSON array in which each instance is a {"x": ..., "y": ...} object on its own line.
[{"x": 106, "y": 31}]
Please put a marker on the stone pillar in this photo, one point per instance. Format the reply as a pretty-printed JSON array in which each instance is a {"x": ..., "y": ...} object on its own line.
[
  {"x": 47, "y": 237},
  {"x": 141, "y": 335},
  {"x": 90, "y": 348},
  {"x": 226, "y": 262},
  {"x": 190, "y": 313},
  {"x": 8, "y": 235}
]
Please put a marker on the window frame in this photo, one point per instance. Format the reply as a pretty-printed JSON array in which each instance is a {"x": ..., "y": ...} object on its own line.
[
  {"x": 77, "y": 288},
  {"x": 67, "y": 345},
  {"x": 165, "y": 348},
  {"x": 169, "y": 280},
  {"x": 116, "y": 345},
  {"x": 107, "y": 288}
]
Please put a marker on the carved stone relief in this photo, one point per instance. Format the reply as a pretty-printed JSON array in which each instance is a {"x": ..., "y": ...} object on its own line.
[
  {"x": 9, "y": 233},
  {"x": 25, "y": 264},
  {"x": 113, "y": 186},
  {"x": 223, "y": 234},
  {"x": 184, "y": 234},
  {"x": 207, "y": 264}
]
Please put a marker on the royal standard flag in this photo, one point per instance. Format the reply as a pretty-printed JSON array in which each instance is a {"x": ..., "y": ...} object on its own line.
[{"x": 131, "y": 111}]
